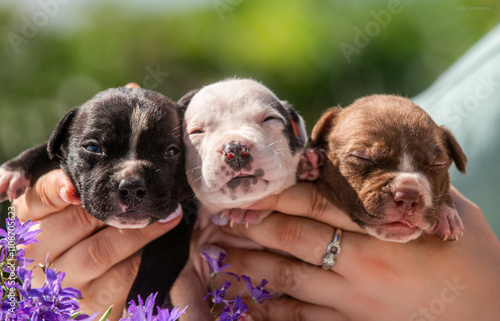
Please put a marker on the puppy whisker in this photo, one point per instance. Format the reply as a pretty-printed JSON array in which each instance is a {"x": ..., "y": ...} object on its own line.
[
  {"x": 193, "y": 169},
  {"x": 277, "y": 141},
  {"x": 197, "y": 179}
]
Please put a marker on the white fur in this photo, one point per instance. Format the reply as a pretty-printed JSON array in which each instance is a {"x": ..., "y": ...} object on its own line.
[
  {"x": 234, "y": 110},
  {"x": 139, "y": 122},
  {"x": 112, "y": 221},
  {"x": 406, "y": 164},
  {"x": 374, "y": 231},
  {"x": 416, "y": 181}
]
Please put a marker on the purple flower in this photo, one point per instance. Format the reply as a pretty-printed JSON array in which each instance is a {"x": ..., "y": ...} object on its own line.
[
  {"x": 22, "y": 233},
  {"x": 166, "y": 315},
  {"x": 215, "y": 257},
  {"x": 225, "y": 316},
  {"x": 259, "y": 294},
  {"x": 234, "y": 313},
  {"x": 22, "y": 259},
  {"x": 144, "y": 311},
  {"x": 218, "y": 295},
  {"x": 17, "y": 234},
  {"x": 25, "y": 277},
  {"x": 51, "y": 301}
]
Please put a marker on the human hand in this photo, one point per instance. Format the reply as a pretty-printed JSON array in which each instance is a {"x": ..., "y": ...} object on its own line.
[
  {"x": 372, "y": 279},
  {"x": 99, "y": 260}
]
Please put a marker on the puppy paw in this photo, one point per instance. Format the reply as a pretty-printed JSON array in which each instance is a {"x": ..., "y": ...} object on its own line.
[
  {"x": 253, "y": 217},
  {"x": 234, "y": 215},
  {"x": 449, "y": 225},
  {"x": 12, "y": 184},
  {"x": 310, "y": 162},
  {"x": 242, "y": 216}
]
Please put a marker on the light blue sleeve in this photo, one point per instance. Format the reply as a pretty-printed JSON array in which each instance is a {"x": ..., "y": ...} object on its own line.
[{"x": 466, "y": 100}]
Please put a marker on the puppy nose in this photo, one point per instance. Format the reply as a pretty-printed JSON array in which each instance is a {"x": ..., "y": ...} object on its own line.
[
  {"x": 132, "y": 191},
  {"x": 407, "y": 197},
  {"x": 236, "y": 154}
]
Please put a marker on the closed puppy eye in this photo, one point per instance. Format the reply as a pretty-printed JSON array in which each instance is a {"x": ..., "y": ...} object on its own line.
[
  {"x": 439, "y": 163},
  {"x": 271, "y": 118},
  {"x": 93, "y": 148},
  {"x": 172, "y": 151},
  {"x": 196, "y": 131},
  {"x": 358, "y": 158}
]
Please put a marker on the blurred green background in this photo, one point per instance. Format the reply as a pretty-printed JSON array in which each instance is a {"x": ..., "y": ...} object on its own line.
[{"x": 55, "y": 54}]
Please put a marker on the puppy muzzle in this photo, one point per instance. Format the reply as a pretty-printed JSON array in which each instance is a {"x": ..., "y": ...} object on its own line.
[
  {"x": 132, "y": 191},
  {"x": 236, "y": 155}
]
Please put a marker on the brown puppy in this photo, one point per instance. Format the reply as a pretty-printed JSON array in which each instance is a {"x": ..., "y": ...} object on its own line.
[{"x": 388, "y": 166}]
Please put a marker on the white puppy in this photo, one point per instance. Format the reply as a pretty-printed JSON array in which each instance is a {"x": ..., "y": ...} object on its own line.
[{"x": 242, "y": 144}]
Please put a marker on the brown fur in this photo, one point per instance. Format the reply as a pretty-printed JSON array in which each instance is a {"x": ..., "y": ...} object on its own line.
[{"x": 366, "y": 144}]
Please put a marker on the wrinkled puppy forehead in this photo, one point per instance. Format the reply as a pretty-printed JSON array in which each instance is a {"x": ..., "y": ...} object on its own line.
[
  {"x": 118, "y": 113},
  {"x": 386, "y": 118},
  {"x": 120, "y": 103},
  {"x": 119, "y": 99},
  {"x": 228, "y": 96},
  {"x": 383, "y": 126}
]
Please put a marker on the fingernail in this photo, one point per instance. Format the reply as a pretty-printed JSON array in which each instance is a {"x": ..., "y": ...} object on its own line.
[
  {"x": 219, "y": 220},
  {"x": 172, "y": 216},
  {"x": 63, "y": 193}
]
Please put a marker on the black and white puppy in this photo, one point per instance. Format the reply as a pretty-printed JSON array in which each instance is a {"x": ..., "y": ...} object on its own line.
[
  {"x": 242, "y": 144},
  {"x": 124, "y": 154}
]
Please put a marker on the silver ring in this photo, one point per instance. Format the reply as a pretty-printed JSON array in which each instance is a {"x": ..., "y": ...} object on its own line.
[{"x": 332, "y": 250}]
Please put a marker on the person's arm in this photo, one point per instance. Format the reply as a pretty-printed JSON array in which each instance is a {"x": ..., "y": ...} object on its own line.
[
  {"x": 100, "y": 261},
  {"x": 426, "y": 279}
]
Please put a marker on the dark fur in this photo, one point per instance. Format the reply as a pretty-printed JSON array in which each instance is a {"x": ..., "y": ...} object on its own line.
[
  {"x": 104, "y": 121},
  {"x": 163, "y": 260}
]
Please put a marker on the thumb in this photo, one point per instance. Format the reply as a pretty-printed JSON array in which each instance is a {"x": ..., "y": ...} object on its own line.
[{"x": 51, "y": 192}]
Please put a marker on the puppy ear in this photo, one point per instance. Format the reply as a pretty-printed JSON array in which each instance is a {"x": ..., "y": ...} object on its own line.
[
  {"x": 186, "y": 99},
  {"x": 322, "y": 128},
  {"x": 132, "y": 85},
  {"x": 57, "y": 141},
  {"x": 298, "y": 124},
  {"x": 454, "y": 149}
]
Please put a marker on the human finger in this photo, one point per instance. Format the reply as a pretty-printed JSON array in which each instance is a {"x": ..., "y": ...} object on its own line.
[
  {"x": 302, "y": 238},
  {"x": 51, "y": 192},
  {"x": 305, "y": 199},
  {"x": 92, "y": 257},
  {"x": 61, "y": 231},
  {"x": 290, "y": 276},
  {"x": 290, "y": 309},
  {"x": 111, "y": 289}
]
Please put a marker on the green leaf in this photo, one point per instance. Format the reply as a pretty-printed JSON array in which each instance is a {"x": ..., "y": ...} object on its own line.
[
  {"x": 74, "y": 315},
  {"x": 106, "y": 314}
]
